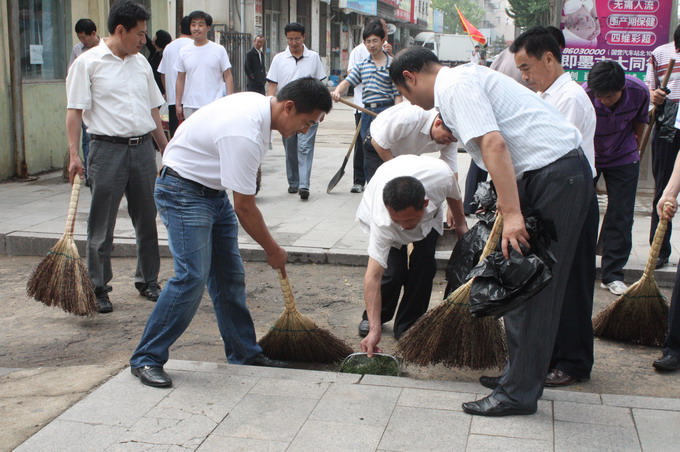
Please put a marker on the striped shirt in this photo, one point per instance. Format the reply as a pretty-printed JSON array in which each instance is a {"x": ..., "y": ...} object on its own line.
[
  {"x": 659, "y": 60},
  {"x": 378, "y": 86},
  {"x": 475, "y": 100}
]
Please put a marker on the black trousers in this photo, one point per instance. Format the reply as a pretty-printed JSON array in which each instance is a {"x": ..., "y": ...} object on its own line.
[
  {"x": 174, "y": 122},
  {"x": 415, "y": 275},
  {"x": 617, "y": 226},
  {"x": 359, "y": 178},
  {"x": 671, "y": 345},
  {"x": 475, "y": 175},
  {"x": 256, "y": 88},
  {"x": 573, "y": 351},
  {"x": 663, "y": 159}
]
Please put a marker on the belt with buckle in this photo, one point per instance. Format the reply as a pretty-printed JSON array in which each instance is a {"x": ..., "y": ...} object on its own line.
[
  {"x": 130, "y": 141},
  {"x": 387, "y": 103},
  {"x": 172, "y": 173}
]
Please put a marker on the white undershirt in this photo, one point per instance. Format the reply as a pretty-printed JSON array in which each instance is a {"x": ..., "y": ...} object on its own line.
[{"x": 204, "y": 66}]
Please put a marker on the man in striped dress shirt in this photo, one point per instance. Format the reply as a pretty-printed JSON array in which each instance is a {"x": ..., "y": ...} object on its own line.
[
  {"x": 534, "y": 158},
  {"x": 379, "y": 93}
]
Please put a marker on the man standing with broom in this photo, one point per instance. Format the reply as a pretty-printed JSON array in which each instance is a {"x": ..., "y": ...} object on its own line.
[
  {"x": 534, "y": 158},
  {"x": 111, "y": 87},
  {"x": 220, "y": 147}
]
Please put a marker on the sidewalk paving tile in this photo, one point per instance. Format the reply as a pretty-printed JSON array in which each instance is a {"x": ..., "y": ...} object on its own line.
[
  {"x": 575, "y": 436},
  {"x": 330, "y": 436},
  {"x": 290, "y": 388},
  {"x": 656, "y": 403},
  {"x": 438, "y": 400},
  {"x": 185, "y": 430},
  {"x": 357, "y": 404},
  {"x": 487, "y": 443},
  {"x": 231, "y": 444},
  {"x": 658, "y": 430},
  {"x": 538, "y": 426},
  {"x": 424, "y": 429},
  {"x": 61, "y": 435},
  {"x": 439, "y": 385},
  {"x": 572, "y": 396},
  {"x": 593, "y": 414}
]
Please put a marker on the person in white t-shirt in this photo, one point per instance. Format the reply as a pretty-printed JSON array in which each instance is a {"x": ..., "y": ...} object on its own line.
[
  {"x": 168, "y": 71},
  {"x": 293, "y": 63},
  {"x": 219, "y": 148},
  {"x": 203, "y": 69}
]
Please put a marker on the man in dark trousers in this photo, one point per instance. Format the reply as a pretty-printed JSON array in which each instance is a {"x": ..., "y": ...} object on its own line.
[{"x": 254, "y": 66}]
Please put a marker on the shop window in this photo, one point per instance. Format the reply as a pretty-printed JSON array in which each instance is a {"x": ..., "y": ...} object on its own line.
[{"x": 42, "y": 31}]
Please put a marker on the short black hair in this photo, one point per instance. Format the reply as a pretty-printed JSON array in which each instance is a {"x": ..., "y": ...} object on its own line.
[
  {"x": 606, "y": 77},
  {"x": 126, "y": 13},
  {"x": 536, "y": 42},
  {"x": 558, "y": 35},
  {"x": 294, "y": 26},
  {"x": 163, "y": 38},
  {"x": 373, "y": 30},
  {"x": 412, "y": 59},
  {"x": 308, "y": 93},
  {"x": 403, "y": 192},
  {"x": 676, "y": 38},
  {"x": 200, "y": 15},
  {"x": 185, "y": 25},
  {"x": 86, "y": 26}
]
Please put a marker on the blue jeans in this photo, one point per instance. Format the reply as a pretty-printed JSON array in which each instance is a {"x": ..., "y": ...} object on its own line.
[
  {"x": 203, "y": 238},
  {"x": 299, "y": 155}
]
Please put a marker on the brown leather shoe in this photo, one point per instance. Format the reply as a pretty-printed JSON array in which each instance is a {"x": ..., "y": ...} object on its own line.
[{"x": 558, "y": 378}]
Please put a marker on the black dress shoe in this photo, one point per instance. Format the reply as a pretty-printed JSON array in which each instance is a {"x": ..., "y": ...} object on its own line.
[
  {"x": 152, "y": 376},
  {"x": 661, "y": 262},
  {"x": 364, "y": 328},
  {"x": 151, "y": 291},
  {"x": 556, "y": 378},
  {"x": 292, "y": 190},
  {"x": 304, "y": 194},
  {"x": 667, "y": 363},
  {"x": 104, "y": 305},
  {"x": 489, "y": 382},
  {"x": 266, "y": 361},
  {"x": 488, "y": 406}
]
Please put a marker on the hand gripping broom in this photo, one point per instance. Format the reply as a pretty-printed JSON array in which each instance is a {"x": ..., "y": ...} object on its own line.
[
  {"x": 61, "y": 278},
  {"x": 640, "y": 314},
  {"x": 448, "y": 334},
  {"x": 295, "y": 337}
]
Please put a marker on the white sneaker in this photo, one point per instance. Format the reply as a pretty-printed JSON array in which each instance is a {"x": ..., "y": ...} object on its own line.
[{"x": 615, "y": 287}]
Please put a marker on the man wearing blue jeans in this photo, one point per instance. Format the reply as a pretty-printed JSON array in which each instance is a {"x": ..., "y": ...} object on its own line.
[{"x": 220, "y": 147}]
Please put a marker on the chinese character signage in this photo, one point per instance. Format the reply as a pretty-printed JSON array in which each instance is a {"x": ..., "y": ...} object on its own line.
[{"x": 625, "y": 31}]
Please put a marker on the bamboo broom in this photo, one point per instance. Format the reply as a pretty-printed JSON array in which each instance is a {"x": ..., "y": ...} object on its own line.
[
  {"x": 640, "y": 314},
  {"x": 295, "y": 337},
  {"x": 61, "y": 279},
  {"x": 448, "y": 334}
]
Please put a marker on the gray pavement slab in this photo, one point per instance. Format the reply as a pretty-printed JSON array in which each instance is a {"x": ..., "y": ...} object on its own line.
[{"x": 242, "y": 408}]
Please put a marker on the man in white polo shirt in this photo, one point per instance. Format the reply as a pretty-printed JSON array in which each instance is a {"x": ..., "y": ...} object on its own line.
[
  {"x": 111, "y": 87},
  {"x": 402, "y": 204},
  {"x": 169, "y": 72},
  {"x": 220, "y": 147},
  {"x": 203, "y": 69},
  {"x": 293, "y": 63}
]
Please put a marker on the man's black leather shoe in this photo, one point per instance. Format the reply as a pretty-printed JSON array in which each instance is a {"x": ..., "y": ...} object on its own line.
[
  {"x": 104, "y": 305},
  {"x": 152, "y": 376},
  {"x": 364, "y": 328},
  {"x": 151, "y": 291},
  {"x": 661, "y": 262},
  {"x": 667, "y": 363},
  {"x": 488, "y": 406},
  {"x": 304, "y": 194},
  {"x": 489, "y": 382},
  {"x": 266, "y": 361}
]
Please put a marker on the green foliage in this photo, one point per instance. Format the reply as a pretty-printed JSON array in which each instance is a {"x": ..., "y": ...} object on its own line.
[
  {"x": 470, "y": 9},
  {"x": 529, "y": 13}
]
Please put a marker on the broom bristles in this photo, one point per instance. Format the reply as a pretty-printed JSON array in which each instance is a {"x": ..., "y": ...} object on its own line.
[{"x": 640, "y": 315}]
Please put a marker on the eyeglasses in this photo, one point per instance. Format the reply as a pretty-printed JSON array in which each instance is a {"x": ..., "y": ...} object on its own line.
[{"x": 298, "y": 39}]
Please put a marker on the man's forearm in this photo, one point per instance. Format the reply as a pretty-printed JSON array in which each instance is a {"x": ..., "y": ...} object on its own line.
[
  {"x": 158, "y": 134},
  {"x": 179, "y": 88},
  {"x": 229, "y": 81},
  {"x": 499, "y": 165},
  {"x": 252, "y": 221},
  {"x": 372, "y": 294},
  {"x": 271, "y": 88},
  {"x": 74, "y": 119}
]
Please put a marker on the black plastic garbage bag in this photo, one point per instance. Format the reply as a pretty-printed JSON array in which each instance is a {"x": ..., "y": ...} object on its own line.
[
  {"x": 485, "y": 196},
  {"x": 501, "y": 285}
]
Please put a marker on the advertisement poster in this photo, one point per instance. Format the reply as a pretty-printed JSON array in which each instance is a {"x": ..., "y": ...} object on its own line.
[
  {"x": 625, "y": 31},
  {"x": 369, "y": 7}
]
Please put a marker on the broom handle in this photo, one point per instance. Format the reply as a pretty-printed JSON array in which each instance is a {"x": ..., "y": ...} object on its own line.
[
  {"x": 287, "y": 292},
  {"x": 73, "y": 207},
  {"x": 659, "y": 234},
  {"x": 494, "y": 237}
]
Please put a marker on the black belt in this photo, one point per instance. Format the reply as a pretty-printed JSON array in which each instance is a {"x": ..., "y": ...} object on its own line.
[
  {"x": 386, "y": 103},
  {"x": 166, "y": 170},
  {"x": 130, "y": 141}
]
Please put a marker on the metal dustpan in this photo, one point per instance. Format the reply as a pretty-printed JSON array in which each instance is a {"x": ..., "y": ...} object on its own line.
[{"x": 379, "y": 364}]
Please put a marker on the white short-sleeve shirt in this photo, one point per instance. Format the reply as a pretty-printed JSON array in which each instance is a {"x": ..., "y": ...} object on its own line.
[
  {"x": 285, "y": 68},
  {"x": 372, "y": 215},
  {"x": 222, "y": 145},
  {"x": 116, "y": 95},
  {"x": 572, "y": 101},
  {"x": 405, "y": 129},
  {"x": 167, "y": 66},
  {"x": 204, "y": 66},
  {"x": 475, "y": 100},
  {"x": 356, "y": 56}
]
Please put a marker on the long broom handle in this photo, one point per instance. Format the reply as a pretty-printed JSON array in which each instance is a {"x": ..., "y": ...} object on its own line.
[
  {"x": 652, "y": 114},
  {"x": 494, "y": 237},
  {"x": 73, "y": 207},
  {"x": 355, "y": 106},
  {"x": 659, "y": 234},
  {"x": 287, "y": 292}
]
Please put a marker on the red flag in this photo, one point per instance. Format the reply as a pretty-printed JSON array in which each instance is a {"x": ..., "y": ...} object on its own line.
[{"x": 470, "y": 29}]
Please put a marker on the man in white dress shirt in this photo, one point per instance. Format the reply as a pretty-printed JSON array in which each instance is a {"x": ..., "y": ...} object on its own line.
[
  {"x": 538, "y": 57},
  {"x": 534, "y": 158},
  {"x": 402, "y": 204},
  {"x": 112, "y": 88},
  {"x": 169, "y": 72}
]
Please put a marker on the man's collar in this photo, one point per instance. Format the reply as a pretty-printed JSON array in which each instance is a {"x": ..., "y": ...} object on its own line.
[
  {"x": 557, "y": 84},
  {"x": 305, "y": 52}
]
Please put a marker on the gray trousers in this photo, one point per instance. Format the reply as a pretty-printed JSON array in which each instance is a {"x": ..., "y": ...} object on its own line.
[
  {"x": 560, "y": 193},
  {"x": 115, "y": 170}
]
